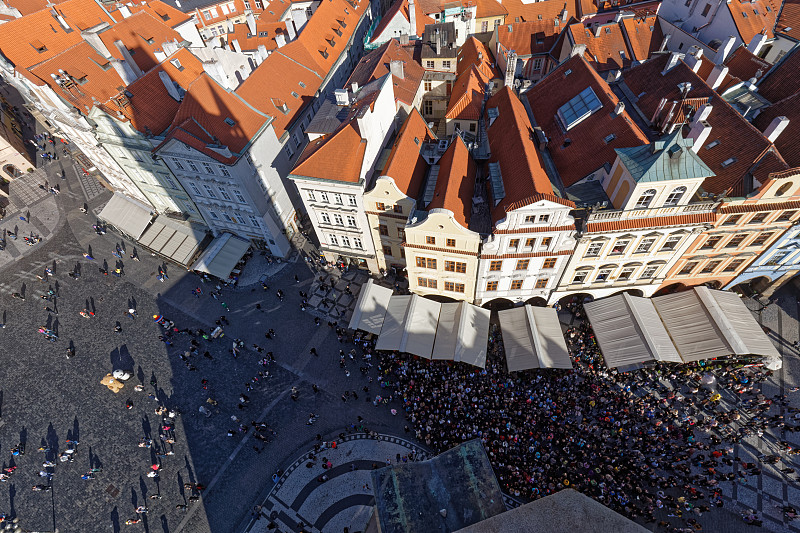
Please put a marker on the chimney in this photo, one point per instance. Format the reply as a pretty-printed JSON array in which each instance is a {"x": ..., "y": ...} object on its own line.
[
  {"x": 438, "y": 39},
  {"x": 396, "y": 67},
  {"x": 170, "y": 47},
  {"x": 124, "y": 11},
  {"x": 699, "y": 134},
  {"x": 124, "y": 70},
  {"x": 56, "y": 15},
  {"x": 230, "y": 26},
  {"x": 237, "y": 47},
  {"x": 702, "y": 113},
  {"x": 673, "y": 59},
  {"x": 775, "y": 128},
  {"x": 577, "y": 50},
  {"x": 724, "y": 49},
  {"x": 280, "y": 39},
  {"x": 412, "y": 18},
  {"x": 403, "y": 39},
  {"x": 618, "y": 17},
  {"x": 756, "y": 43},
  {"x": 94, "y": 40},
  {"x": 597, "y": 30},
  {"x": 159, "y": 55},
  {"x": 664, "y": 42},
  {"x": 564, "y": 14},
  {"x": 354, "y": 87},
  {"x": 170, "y": 86},
  {"x": 262, "y": 53},
  {"x": 137, "y": 72},
  {"x": 251, "y": 23},
  {"x": 693, "y": 58},
  {"x": 342, "y": 99},
  {"x": 299, "y": 18},
  {"x": 717, "y": 75},
  {"x": 619, "y": 109},
  {"x": 290, "y": 31},
  {"x": 511, "y": 69}
]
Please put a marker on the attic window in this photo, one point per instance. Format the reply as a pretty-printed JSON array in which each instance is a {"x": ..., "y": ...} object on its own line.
[
  {"x": 337, "y": 31},
  {"x": 578, "y": 108},
  {"x": 608, "y": 30},
  {"x": 39, "y": 46},
  {"x": 744, "y": 15},
  {"x": 324, "y": 53},
  {"x": 331, "y": 41},
  {"x": 769, "y": 9},
  {"x": 230, "y": 122},
  {"x": 712, "y": 144},
  {"x": 622, "y": 55},
  {"x": 295, "y": 94},
  {"x": 416, "y": 140},
  {"x": 567, "y": 72},
  {"x": 540, "y": 17},
  {"x": 177, "y": 64},
  {"x": 262, "y": 34},
  {"x": 609, "y": 138},
  {"x": 516, "y": 19},
  {"x": 341, "y": 22},
  {"x": 728, "y": 162},
  {"x": 755, "y": 11},
  {"x": 301, "y": 84}
]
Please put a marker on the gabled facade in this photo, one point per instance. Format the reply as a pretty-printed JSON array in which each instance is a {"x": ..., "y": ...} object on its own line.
[{"x": 404, "y": 18}]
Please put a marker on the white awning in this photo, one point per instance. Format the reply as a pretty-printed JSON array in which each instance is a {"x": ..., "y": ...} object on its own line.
[
  {"x": 391, "y": 334},
  {"x": 420, "y": 327},
  {"x": 532, "y": 338},
  {"x": 177, "y": 240},
  {"x": 629, "y": 331},
  {"x": 371, "y": 307},
  {"x": 127, "y": 215},
  {"x": 462, "y": 334},
  {"x": 222, "y": 254}
]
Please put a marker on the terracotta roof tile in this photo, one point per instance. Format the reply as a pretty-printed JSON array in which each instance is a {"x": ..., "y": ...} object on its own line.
[
  {"x": 644, "y": 36},
  {"x": 401, "y": 6},
  {"x": 377, "y": 63},
  {"x": 512, "y": 147},
  {"x": 530, "y": 38},
  {"x": 466, "y": 97},
  {"x": 530, "y": 254},
  {"x": 160, "y": 10},
  {"x": 788, "y": 142},
  {"x": 201, "y": 118},
  {"x": 603, "y": 45},
  {"x": 704, "y": 71},
  {"x": 456, "y": 182},
  {"x": 141, "y": 33},
  {"x": 743, "y": 64},
  {"x": 84, "y": 14},
  {"x": 652, "y": 222},
  {"x": 26, "y": 7},
  {"x": 789, "y": 20},
  {"x": 338, "y": 156},
  {"x": 521, "y": 11},
  {"x": 758, "y": 207},
  {"x": 489, "y": 8},
  {"x": 783, "y": 80},
  {"x": 475, "y": 53},
  {"x": 405, "y": 164},
  {"x": 741, "y": 145},
  {"x": 21, "y": 37},
  {"x": 586, "y": 150},
  {"x": 752, "y": 17},
  {"x": 249, "y": 42}
]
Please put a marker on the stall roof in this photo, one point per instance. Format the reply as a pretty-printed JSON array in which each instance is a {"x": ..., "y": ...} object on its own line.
[
  {"x": 127, "y": 215},
  {"x": 221, "y": 256},
  {"x": 180, "y": 241},
  {"x": 444, "y": 348},
  {"x": 533, "y": 338},
  {"x": 371, "y": 307},
  {"x": 419, "y": 330},
  {"x": 629, "y": 331},
  {"x": 391, "y": 335},
  {"x": 462, "y": 334}
]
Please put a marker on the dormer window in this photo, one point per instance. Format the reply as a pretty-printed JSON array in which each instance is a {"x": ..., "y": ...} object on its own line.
[
  {"x": 644, "y": 200},
  {"x": 39, "y": 46},
  {"x": 177, "y": 64},
  {"x": 675, "y": 196}
]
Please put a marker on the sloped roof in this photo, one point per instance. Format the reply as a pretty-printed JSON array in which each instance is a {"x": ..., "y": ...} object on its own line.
[
  {"x": 456, "y": 182},
  {"x": 475, "y": 53},
  {"x": 337, "y": 157},
  {"x": 586, "y": 150},
  {"x": 26, "y": 7},
  {"x": 667, "y": 159},
  {"x": 489, "y": 8},
  {"x": 250, "y": 42},
  {"x": 401, "y": 6},
  {"x": 603, "y": 45},
  {"x": 788, "y": 142},
  {"x": 744, "y": 64},
  {"x": 650, "y": 222},
  {"x": 151, "y": 107},
  {"x": 644, "y": 36},
  {"x": 405, "y": 164},
  {"x": 789, "y": 20},
  {"x": 162, "y": 11},
  {"x": 377, "y": 64},
  {"x": 466, "y": 97},
  {"x": 520, "y": 11},
  {"x": 531, "y": 37},
  {"x": 141, "y": 33},
  {"x": 35, "y": 38},
  {"x": 512, "y": 147},
  {"x": 752, "y": 17},
  {"x": 706, "y": 66},
  {"x": 200, "y": 120},
  {"x": 84, "y": 14},
  {"x": 741, "y": 148},
  {"x": 783, "y": 80}
]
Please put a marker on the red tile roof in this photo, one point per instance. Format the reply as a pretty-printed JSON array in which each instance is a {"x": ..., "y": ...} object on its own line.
[
  {"x": 222, "y": 16},
  {"x": 200, "y": 120},
  {"x": 740, "y": 141},
  {"x": 141, "y": 33},
  {"x": 338, "y": 156},
  {"x": 512, "y": 147},
  {"x": 789, "y": 20},
  {"x": 151, "y": 108},
  {"x": 405, "y": 164},
  {"x": 644, "y": 36},
  {"x": 250, "y": 42},
  {"x": 783, "y": 80},
  {"x": 753, "y": 17},
  {"x": 788, "y": 142},
  {"x": 473, "y": 52},
  {"x": 456, "y": 182},
  {"x": 522, "y": 11},
  {"x": 651, "y": 222},
  {"x": 84, "y": 14},
  {"x": 401, "y": 6},
  {"x": 489, "y": 8},
  {"x": 529, "y": 38},
  {"x": 162, "y": 11},
  {"x": 603, "y": 45},
  {"x": 377, "y": 64},
  {"x": 758, "y": 207},
  {"x": 466, "y": 97},
  {"x": 706, "y": 66},
  {"x": 586, "y": 151},
  {"x": 743, "y": 64},
  {"x": 26, "y": 7}
]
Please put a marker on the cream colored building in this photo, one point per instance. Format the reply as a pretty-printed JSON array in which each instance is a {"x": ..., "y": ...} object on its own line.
[
  {"x": 13, "y": 160},
  {"x": 441, "y": 252},
  {"x": 656, "y": 216}
]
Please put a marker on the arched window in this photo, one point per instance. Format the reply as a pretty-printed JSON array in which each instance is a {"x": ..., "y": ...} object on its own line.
[
  {"x": 645, "y": 199},
  {"x": 675, "y": 196},
  {"x": 784, "y": 189}
]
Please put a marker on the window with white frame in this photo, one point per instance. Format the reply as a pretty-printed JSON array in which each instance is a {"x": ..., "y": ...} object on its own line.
[
  {"x": 178, "y": 164},
  {"x": 351, "y": 221},
  {"x": 580, "y": 276},
  {"x": 239, "y": 196},
  {"x": 195, "y": 189},
  {"x": 224, "y": 171},
  {"x": 645, "y": 199},
  {"x": 593, "y": 250},
  {"x": 226, "y": 216},
  {"x": 213, "y": 215},
  {"x": 671, "y": 243},
  {"x": 338, "y": 219},
  {"x": 137, "y": 155},
  {"x": 649, "y": 272},
  {"x": 620, "y": 246},
  {"x": 645, "y": 245},
  {"x": 208, "y": 168},
  {"x": 193, "y": 166},
  {"x": 310, "y": 196},
  {"x": 675, "y": 196},
  {"x": 345, "y": 241},
  {"x": 325, "y": 217},
  {"x": 357, "y": 243},
  {"x": 209, "y": 191},
  {"x": 254, "y": 220},
  {"x": 338, "y": 198},
  {"x": 224, "y": 193},
  {"x": 170, "y": 183},
  {"x": 324, "y": 196},
  {"x": 625, "y": 273},
  {"x": 333, "y": 240},
  {"x": 351, "y": 200},
  {"x": 603, "y": 274}
]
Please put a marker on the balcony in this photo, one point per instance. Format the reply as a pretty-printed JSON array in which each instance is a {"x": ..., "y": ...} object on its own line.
[{"x": 618, "y": 214}]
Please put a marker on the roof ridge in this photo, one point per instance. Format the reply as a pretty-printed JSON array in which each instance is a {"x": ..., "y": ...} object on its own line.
[{"x": 290, "y": 58}]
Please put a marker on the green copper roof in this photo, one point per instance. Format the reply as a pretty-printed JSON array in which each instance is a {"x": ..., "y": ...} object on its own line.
[{"x": 669, "y": 158}]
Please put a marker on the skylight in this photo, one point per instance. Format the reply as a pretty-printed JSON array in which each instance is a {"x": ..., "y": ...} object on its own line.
[
  {"x": 579, "y": 108},
  {"x": 496, "y": 179}
]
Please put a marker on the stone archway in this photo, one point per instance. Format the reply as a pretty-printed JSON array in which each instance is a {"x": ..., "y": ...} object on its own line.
[
  {"x": 536, "y": 301},
  {"x": 498, "y": 304},
  {"x": 670, "y": 289},
  {"x": 632, "y": 292}
]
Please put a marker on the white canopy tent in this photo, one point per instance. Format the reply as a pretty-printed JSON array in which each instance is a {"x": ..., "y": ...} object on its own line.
[
  {"x": 462, "y": 334},
  {"x": 630, "y": 331},
  {"x": 222, "y": 255},
  {"x": 127, "y": 215},
  {"x": 370, "y": 310},
  {"x": 391, "y": 334},
  {"x": 532, "y": 338},
  {"x": 419, "y": 331}
]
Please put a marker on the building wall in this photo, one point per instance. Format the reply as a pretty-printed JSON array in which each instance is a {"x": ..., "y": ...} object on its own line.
[
  {"x": 778, "y": 263},
  {"x": 531, "y": 247},
  {"x": 486, "y": 25},
  {"x": 394, "y": 29},
  {"x": 427, "y": 239},
  {"x": 470, "y": 126},
  {"x": 12, "y": 149},
  {"x": 388, "y": 210}
]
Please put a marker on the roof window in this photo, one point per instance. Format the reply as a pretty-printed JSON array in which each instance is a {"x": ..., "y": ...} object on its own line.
[
  {"x": 712, "y": 144},
  {"x": 728, "y": 162},
  {"x": 230, "y": 122},
  {"x": 295, "y": 94},
  {"x": 609, "y": 138},
  {"x": 301, "y": 84},
  {"x": 177, "y": 64},
  {"x": 496, "y": 179},
  {"x": 39, "y": 46},
  {"x": 578, "y": 108}
]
